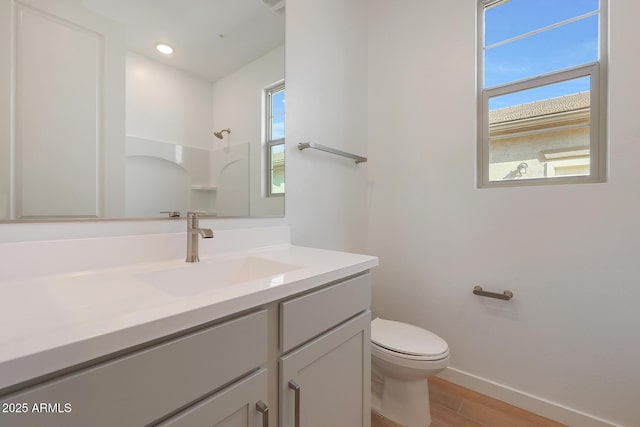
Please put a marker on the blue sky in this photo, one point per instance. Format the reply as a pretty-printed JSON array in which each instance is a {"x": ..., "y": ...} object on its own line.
[
  {"x": 277, "y": 111},
  {"x": 563, "y": 47}
]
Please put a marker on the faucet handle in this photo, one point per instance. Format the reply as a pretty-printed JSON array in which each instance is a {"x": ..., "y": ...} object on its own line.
[
  {"x": 172, "y": 214},
  {"x": 196, "y": 214}
]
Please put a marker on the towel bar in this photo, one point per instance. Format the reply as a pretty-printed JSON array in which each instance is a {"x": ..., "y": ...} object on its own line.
[{"x": 304, "y": 145}]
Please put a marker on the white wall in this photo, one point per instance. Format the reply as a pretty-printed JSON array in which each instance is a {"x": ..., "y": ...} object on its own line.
[
  {"x": 326, "y": 69},
  {"x": 237, "y": 105},
  {"x": 569, "y": 253},
  {"x": 230, "y": 173},
  {"x": 166, "y": 104}
]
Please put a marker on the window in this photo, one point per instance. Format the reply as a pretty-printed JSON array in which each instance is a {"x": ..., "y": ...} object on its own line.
[
  {"x": 275, "y": 139},
  {"x": 542, "y": 83}
]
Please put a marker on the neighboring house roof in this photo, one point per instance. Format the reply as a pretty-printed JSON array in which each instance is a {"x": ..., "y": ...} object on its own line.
[{"x": 545, "y": 107}]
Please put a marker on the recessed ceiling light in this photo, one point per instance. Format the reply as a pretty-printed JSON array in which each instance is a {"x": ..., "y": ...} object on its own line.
[{"x": 164, "y": 48}]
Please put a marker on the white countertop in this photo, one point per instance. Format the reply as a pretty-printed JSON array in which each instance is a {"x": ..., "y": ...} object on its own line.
[{"x": 55, "y": 321}]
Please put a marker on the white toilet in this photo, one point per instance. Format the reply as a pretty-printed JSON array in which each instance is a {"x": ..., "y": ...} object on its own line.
[{"x": 403, "y": 356}]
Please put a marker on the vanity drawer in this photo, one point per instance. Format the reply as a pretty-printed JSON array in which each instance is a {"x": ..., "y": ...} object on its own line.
[
  {"x": 309, "y": 315},
  {"x": 232, "y": 406},
  {"x": 146, "y": 385}
]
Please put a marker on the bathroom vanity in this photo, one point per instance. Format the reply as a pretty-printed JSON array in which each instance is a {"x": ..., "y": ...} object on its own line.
[{"x": 274, "y": 336}]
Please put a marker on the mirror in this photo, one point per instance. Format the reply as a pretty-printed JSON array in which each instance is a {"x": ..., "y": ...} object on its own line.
[{"x": 96, "y": 122}]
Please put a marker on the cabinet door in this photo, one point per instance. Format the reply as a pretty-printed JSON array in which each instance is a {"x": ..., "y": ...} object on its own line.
[
  {"x": 332, "y": 374},
  {"x": 235, "y": 406}
]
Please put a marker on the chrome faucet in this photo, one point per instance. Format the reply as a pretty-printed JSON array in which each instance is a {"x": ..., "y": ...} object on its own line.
[{"x": 192, "y": 236}]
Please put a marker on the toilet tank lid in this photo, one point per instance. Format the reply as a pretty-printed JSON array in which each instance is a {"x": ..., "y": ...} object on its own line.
[{"x": 406, "y": 339}]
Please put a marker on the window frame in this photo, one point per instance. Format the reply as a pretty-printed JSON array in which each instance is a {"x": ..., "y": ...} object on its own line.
[
  {"x": 270, "y": 143},
  {"x": 597, "y": 71}
]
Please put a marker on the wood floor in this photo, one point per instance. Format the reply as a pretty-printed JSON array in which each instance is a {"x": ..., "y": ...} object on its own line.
[{"x": 455, "y": 406}]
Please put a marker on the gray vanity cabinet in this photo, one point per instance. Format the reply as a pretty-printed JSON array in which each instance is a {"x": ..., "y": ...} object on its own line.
[
  {"x": 240, "y": 405},
  {"x": 327, "y": 380}
]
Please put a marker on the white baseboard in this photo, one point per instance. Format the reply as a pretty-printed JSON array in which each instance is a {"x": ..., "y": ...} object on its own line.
[{"x": 524, "y": 400}]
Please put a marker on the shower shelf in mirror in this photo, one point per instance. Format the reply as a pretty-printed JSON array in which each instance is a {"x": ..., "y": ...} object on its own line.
[{"x": 204, "y": 187}]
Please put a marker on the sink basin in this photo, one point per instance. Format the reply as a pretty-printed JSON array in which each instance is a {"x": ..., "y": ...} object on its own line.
[{"x": 213, "y": 274}]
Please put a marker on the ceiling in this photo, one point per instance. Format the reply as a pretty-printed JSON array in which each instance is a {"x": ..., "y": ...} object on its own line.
[{"x": 211, "y": 38}]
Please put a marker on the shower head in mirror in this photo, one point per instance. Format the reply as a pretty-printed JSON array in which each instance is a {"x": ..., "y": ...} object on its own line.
[{"x": 220, "y": 133}]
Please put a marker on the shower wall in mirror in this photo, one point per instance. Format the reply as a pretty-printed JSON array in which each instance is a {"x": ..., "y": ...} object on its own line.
[{"x": 97, "y": 122}]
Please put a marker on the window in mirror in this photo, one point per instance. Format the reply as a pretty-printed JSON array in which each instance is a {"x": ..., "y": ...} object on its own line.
[
  {"x": 275, "y": 134},
  {"x": 542, "y": 92}
]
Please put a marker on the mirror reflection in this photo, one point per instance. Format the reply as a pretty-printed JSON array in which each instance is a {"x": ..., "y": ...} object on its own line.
[{"x": 141, "y": 108}]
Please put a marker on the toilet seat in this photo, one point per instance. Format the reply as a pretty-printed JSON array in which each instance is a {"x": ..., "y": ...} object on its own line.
[
  {"x": 404, "y": 341},
  {"x": 378, "y": 350}
]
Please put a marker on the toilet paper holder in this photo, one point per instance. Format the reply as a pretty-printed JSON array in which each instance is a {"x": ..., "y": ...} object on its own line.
[{"x": 506, "y": 295}]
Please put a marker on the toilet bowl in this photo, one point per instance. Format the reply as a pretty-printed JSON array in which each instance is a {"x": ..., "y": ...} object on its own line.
[{"x": 403, "y": 356}]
